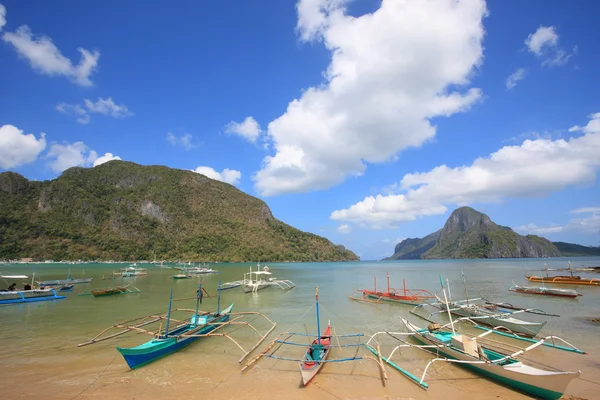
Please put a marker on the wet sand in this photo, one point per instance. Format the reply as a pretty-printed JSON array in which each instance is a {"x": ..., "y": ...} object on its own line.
[{"x": 209, "y": 370}]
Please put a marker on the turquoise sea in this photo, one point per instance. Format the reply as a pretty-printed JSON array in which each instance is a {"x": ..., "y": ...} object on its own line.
[{"x": 39, "y": 354}]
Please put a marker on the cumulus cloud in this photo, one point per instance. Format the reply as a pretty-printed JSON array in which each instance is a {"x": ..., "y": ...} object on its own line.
[
  {"x": 184, "y": 141},
  {"x": 47, "y": 59},
  {"x": 511, "y": 81},
  {"x": 390, "y": 72},
  {"x": 2, "y": 16},
  {"x": 17, "y": 148},
  {"x": 101, "y": 106},
  {"x": 588, "y": 224},
  {"x": 533, "y": 169},
  {"x": 105, "y": 158},
  {"x": 544, "y": 44},
  {"x": 67, "y": 155},
  {"x": 227, "y": 175},
  {"x": 249, "y": 129},
  {"x": 345, "y": 228}
]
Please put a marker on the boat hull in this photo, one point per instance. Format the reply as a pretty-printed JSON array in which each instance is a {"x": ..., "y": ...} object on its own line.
[
  {"x": 253, "y": 287},
  {"x": 549, "y": 386},
  {"x": 515, "y": 325},
  {"x": 65, "y": 282},
  {"x": 310, "y": 367},
  {"x": 137, "y": 357},
  {"x": 28, "y": 296},
  {"x": 545, "y": 292},
  {"x": 410, "y": 300},
  {"x": 564, "y": 280}
]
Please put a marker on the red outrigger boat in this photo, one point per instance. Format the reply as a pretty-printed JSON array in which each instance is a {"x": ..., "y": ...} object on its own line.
[{"x": 403, "y": 296}]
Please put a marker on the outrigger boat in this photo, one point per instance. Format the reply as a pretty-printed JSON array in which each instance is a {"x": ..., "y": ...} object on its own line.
[
  {"x": 545, "y": 291},
  {"x": 496, "y": 361},
  {"x": 68, "y": 281},
  {"x": 317, "y": 353},
  {"x": 257, "y": 280},
  {"x": 167, "y": 341},
  {"x": 404, "y": 296},
  {"x": 28, "y": 295},
  {"x": 482, "y": 314},
  {"x": 111, "y": 291},
  {"x": 570, "y": 279}
]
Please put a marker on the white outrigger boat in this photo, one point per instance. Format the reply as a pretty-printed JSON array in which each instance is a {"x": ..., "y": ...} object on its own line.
[
  {"x": 496, "y": 361},
  {"x": 257, "y": 280},
  {"x": 28, "y": 294}
]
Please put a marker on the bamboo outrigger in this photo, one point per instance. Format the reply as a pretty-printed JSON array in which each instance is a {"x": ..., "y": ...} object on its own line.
[
  {"x": 178, "y": 333},
  {"x": 318, "y": 351}
]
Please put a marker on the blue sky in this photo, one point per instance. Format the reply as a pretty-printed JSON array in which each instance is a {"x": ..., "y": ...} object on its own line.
[{"x": 362, "y": 121}]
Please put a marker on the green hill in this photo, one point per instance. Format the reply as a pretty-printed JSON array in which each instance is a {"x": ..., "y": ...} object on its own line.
[
  {"x": 124, "y": 211},
  {"x": 576, "y": 250},
  {"x": 471, "y": 234}
]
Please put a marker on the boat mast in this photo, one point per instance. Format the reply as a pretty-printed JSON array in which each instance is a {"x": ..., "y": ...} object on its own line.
[
  {"x": 447, "y": 306},
  {"x": 374, "y": 283},
  {"x": 169, "y": 314},
  {"x": 387, "y": 275},
  {"x": 219, "y": 297},
  {"x": 318, "y": 319},
  {"x": 465, "y": 285},
  {"x": 198, "y": 300}
]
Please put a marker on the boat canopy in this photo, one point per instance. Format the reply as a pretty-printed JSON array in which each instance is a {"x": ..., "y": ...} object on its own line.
[{"x": 14, "y": 276}]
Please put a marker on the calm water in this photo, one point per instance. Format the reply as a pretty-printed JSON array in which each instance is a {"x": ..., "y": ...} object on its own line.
[{"x": 51, "y": 330}]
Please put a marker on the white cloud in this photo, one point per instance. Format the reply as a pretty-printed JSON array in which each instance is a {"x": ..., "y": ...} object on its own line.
[
  {"x": 2, "y": 16},
  {"x": 18, "y": 149},
  {"x": 533, "y": 169},
  {"x": 539, "y": 230},
  {"x": 231, "y": 176},
  {"x": 515, "y": 77},
  {"x": 248, "y": 129},
  {"x": 69, "y": 155},
  {"x": 47, "y": 59},
  {"x": 588, "y": 224},
  {"x": 79, "y": 112},
  {"x": 101, "y": 106},
  {"x": 105, "y": 158},
  {"x": 390, "y": 72},
  {"x": 184, "y": 141},
  {"x": 343, "y": 229},
  {"x": 108, "y": 107},
  {"x": 544, "y": 44}
]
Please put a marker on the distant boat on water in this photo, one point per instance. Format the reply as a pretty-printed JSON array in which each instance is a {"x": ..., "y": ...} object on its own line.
[{"x": 68, "y": 281}]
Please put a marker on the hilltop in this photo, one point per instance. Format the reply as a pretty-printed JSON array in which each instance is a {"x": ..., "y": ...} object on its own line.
[
  {"x": 124, "y": 211},
  {"x": 471, "y": 234}
]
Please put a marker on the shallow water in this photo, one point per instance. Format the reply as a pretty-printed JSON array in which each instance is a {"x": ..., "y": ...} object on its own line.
[{"x": 39, "y": 355}]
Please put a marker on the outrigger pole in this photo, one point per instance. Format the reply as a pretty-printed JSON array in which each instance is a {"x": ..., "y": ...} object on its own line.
[{"x": 318, "y": 319}]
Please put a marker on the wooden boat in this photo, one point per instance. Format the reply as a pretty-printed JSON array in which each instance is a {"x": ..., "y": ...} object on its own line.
[
  {"x": 175, "y": 340},
  {"x": 68, "y": 281},
  {"x": 29, "y": 294},
  {"x": 492, "y": 318},
  {"x": 495, "y": 365},
  {"x": 110, "y": 291},
  {"x": 541, "y": 290},
  {"x": 317, "y": 352},
  {"x": 182, "y": 276},
  {"x": 494, "y": 360},
  {"x": 564, "y": 279},
  {"x": 404, "y": 296},
  {"x": 167, "y": 341}
]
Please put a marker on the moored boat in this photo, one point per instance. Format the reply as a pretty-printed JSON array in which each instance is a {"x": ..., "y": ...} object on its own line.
[
  {"x": 564, "y": 279},
  {"x": 403, "y": 296},
  {"x": 545, "y": 291}
]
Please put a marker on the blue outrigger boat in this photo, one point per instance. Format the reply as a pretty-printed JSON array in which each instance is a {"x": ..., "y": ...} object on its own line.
[{"x": 167, "y": 341}]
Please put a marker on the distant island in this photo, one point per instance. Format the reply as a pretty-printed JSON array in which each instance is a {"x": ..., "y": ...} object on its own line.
[
  {"x": 124, "y": 211},
  {"x": 471, "y": 234}
]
